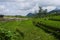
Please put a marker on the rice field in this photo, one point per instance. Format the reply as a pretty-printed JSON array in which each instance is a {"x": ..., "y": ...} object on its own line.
[
  {"x": 36, "y": 29},
  {"x": 49, "y": 25}
]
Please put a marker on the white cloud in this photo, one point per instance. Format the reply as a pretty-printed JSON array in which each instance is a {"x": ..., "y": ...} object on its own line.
[
  {"x": 20, "y": 0},
  {"x": 22, "y": 7},
  {"x": 49, "y": 8},
  {"x": 50, "y": 2},
  {"x": 19, "y": 6},
  {"x": 2, "y": 7}
]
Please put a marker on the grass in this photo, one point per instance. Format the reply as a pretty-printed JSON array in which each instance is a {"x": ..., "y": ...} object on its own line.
[
  {"x": 50, "y": 22},
  {"x": 50, "y": 26},
  {"x": 55, "y": 18},
  {"x": 54, "y": 24},
  {"x": 28, "y": 30}
]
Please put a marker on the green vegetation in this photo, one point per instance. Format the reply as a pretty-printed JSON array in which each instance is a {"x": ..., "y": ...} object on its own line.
[
  {"x": 16, "y": 16},
  {"x": 56, "y": 18},
  {"x": 25, "y": 30},
  {"x": 41, "y": 26},
  {"x": 50, "y": 26},
  {"x": 54, "y": 24}
]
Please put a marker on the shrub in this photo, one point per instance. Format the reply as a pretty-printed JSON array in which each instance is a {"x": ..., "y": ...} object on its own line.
[{"x": 8, "y": 35}]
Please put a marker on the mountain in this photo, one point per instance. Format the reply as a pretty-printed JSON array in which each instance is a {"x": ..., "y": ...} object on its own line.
[
  {"x": 55, "y": 10},
  {"x": 30, "y": 15}
]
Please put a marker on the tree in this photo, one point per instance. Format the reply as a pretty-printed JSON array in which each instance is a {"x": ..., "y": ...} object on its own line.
[
  {"x": 41, "y": 12},
  {"x": 45, "y": 12},
  {"x": 1, "y": 16}
]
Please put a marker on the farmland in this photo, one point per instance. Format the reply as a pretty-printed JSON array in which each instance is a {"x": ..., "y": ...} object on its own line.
[
  {"x": 51, "y": 25},
  {"x": 31, "y": 29}
]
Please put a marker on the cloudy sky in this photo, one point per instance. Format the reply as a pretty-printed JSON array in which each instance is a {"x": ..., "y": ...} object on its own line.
[{"x": 23, "y": 7}]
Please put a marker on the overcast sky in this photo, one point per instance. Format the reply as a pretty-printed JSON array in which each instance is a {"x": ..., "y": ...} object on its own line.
[{"x": 23, "y": 7}]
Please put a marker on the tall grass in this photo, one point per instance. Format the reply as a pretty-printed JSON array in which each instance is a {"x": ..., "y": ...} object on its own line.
[{"x": 25, "y": 30}]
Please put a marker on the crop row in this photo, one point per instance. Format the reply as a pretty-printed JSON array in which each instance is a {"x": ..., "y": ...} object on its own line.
[
  {"x": 52, "y": 27},
  {"x": 27, "y": 30},
  {"x": 54, "y": 18},
  {"x": 49, "y": 23}
]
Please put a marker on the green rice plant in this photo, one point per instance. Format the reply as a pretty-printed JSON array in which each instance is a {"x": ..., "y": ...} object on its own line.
[
  {"x": 26, "y": 29},
  {"x": 49, "y": 23},
  {"x": 49, "y": 26},
  {"x": 56, "y": 18}
]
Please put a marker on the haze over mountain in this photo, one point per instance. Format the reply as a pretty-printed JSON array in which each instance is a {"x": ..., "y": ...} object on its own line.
[{"x": 55, "y": 10}]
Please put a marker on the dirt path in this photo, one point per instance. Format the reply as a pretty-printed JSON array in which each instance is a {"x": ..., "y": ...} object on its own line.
[{"x": 8, "y": 19}]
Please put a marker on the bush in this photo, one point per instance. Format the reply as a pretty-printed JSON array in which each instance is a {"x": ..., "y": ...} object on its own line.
[
  {"x": 8, "y": 35},
  {"x": 4, "y": 34}
]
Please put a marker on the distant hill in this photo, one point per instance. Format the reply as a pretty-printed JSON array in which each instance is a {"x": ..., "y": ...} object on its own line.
[
  {"x": 30, "y": 15},
  {"x": 55, "y": 10}
]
